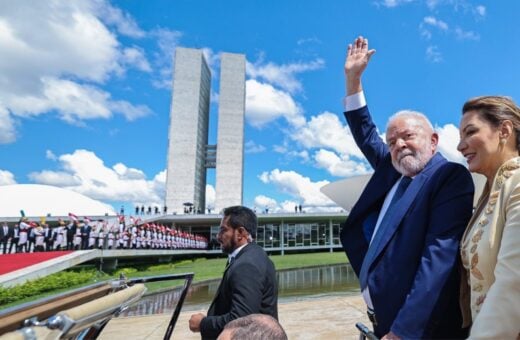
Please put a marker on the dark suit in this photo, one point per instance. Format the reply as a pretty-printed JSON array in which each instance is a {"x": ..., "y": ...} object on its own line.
[
  {"x": 5, "y": 236},
  {"x": 248, "y": 286},
  {"x": 413, "y": 279},
  {"x": 85, "y": 234}
]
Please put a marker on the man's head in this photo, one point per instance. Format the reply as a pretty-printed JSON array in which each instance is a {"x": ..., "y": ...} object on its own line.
[
  {"x": 412, "y": 141},
  {"x": 253, "y": 327},
  {"x": 238, "y": 227}
]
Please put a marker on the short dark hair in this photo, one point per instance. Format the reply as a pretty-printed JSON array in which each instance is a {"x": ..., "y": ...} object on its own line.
[
  {"x": 256, "y": 327},
  {"x": 240, "y": 216}
]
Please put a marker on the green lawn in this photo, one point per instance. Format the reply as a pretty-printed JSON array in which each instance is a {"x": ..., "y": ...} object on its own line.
[{"x": 208, "y": 269}]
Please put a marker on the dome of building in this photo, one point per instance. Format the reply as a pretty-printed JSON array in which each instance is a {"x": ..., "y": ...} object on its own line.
[{"x": 44, "y": 200}]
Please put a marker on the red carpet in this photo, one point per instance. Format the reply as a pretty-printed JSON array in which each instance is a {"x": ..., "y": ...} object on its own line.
[{"x": 12, "y": 262}]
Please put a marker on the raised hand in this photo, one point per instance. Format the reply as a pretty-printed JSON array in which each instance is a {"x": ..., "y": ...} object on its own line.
[{"x": 358, "y": 56}]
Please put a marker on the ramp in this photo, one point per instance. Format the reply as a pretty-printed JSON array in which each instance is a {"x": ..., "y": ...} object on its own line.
[{"x": 47, "y": 267}]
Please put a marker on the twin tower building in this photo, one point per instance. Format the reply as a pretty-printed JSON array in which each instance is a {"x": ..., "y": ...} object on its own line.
[{"x": 189, "y": 154}]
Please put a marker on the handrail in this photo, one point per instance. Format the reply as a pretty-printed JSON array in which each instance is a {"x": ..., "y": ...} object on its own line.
[
  {"x": 86, "y": 318},
  {"x": 365, "y": 332}
]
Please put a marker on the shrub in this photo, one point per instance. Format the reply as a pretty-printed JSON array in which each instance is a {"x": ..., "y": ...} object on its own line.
[{"x": 61, "y": 280}]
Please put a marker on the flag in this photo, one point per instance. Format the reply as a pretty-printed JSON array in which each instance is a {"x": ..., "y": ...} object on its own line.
[
  {"x": 22, "y": 213},
  {"x": 73, "y": 217},
  {"x": 42, "y": 219}
]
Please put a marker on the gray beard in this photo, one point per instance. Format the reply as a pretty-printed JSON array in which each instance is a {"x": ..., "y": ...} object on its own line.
[{"x": 411, "y": 164}]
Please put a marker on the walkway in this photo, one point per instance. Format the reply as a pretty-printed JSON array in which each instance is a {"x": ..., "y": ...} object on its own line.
[{"x": 324, "y": 317}]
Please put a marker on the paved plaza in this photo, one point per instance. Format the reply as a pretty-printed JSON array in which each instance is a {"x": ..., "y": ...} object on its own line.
[{"x": 324, "y": 317}]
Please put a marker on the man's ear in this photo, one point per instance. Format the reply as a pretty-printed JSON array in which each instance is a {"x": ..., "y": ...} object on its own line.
[
  {"x": 242, "y": 232},
  {"x": 434, "y": 140}
]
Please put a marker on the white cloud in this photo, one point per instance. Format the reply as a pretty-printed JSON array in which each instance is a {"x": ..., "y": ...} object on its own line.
[
  {"x": 50, "y": 155},
  {"x": 326, "y": 131},
  {"x": 433, "y": 54},
  {"x": 212, "y": 58},
  {"x": 210, "y": 196},
  {"x": 264, "y": 104},
  {"x": 339, "y": 166},
  {"x": 394, "y": 3},
  {"x": 6, "y": 177},
  {"x": 7, "y": 126},
  {"x": 298, "y": 186},
  {"x": 135, "y": 56},
  {"x": 56, "y": 55},
  {"x": 466, "y": 35},
  {"x": 432, "y": 21},
  {"x": 55, "y": 178},
  {"x": 123, "y": 22},
  {"x": 480, "y": 11},
  {"x": 252, "y": 147},
  {"x": 263, "y": 202},
  {"x": 448, "y": 141},
  {"x": 283, "y": 76},
  {"x": 125, "y": 172},
  {"x": 167, "y": 40},
  {"x": 84, "y": 172},
  {"x": 74, "y": 102},
  {"x": 312, "y": 40},
  {"x": 432, "y": 4}
]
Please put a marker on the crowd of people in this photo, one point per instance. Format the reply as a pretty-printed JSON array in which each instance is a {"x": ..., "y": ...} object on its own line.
[{"x": 75, "y": 234}]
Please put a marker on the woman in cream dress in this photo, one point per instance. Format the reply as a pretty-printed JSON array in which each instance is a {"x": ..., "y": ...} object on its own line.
[{"x": 490, "y": 248}]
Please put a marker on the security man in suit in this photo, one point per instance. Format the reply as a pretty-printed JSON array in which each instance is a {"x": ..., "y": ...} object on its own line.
[
  {"x": 249, "y": 283},
  {"x": 402, "y": 236},
  {"x": 6, "y": 234}
]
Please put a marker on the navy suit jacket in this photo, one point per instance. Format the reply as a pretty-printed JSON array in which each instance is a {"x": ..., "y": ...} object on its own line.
[
  {"x": 4, "y": 236},
  {"x": 248, "y": 286},
  {"x": 413, "y": 280}
]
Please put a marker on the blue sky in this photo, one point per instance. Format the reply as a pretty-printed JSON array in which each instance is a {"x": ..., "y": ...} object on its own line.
[{"x": 85, "y": 86}]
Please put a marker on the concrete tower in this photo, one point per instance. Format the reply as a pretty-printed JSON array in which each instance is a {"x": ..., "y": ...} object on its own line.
[
  {"x": 188, "y": 133},
  {"x": 189, "y": 155},
  {"x": 230, "y": 135}
]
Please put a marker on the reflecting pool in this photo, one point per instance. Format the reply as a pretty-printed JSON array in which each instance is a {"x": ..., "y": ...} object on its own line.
[{"x": 292, "y": 284}]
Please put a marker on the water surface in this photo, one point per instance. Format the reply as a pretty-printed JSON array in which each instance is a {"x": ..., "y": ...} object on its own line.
[{"x": 292, "y": 284}]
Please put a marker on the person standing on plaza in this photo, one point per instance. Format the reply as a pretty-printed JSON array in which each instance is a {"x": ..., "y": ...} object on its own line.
[
  {"x": 47, "y": 233},
  {"x": 6, "y": 235},
  {"x": 24, "y": 232},
  {"x": 15, "y": 239},
  {"x": 402, "y": 236},
  {"x": 248, "y": 284}
]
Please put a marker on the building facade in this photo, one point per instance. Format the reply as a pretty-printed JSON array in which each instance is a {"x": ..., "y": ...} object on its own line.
[
  {"x": 277, "y": 232},
  {"x": 188, "y": 132},
  {"x": 230, "y": 136},
  {"x": 189, "y": 154}
]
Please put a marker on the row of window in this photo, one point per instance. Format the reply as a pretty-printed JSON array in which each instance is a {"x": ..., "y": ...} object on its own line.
[{"x": 295, "y": 235}]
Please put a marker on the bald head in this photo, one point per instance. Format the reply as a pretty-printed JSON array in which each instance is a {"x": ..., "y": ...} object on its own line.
[
  {"x": 253, "y": 327},
  {"x": 411, "y": 140},
  {"x": 417, "y": 117}
]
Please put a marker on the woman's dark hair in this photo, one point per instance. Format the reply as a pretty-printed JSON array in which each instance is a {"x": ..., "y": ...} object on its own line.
[{"x": 494, "y": 110}]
